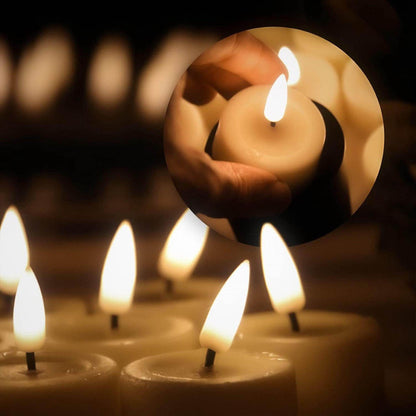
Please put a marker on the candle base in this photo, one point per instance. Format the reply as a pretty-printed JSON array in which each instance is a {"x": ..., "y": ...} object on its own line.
[{"x": 314, "y": 211}]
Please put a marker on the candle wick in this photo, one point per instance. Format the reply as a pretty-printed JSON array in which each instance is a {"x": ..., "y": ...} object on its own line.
[
  {"x": 273, "y": 123},
  {"x": 31, "y": 361},
  {"x": 114, "y": 321},
  {"x": 294, "y": 322},
  {"x": 169, "y": 286},
  {"x": 209, "y": 358}
]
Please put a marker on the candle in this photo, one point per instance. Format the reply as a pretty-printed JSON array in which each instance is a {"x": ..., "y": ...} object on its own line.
[
  {"x": 238, "y": 382},
  {"x": 136, "y": 334},
  {"x": 51, "y": 382},
  {"x": 337, "y": 356},
  {"x": 182, "y": 295},
  {"x": 259, "y": 126},
  {"x": 14, "y": 251}
]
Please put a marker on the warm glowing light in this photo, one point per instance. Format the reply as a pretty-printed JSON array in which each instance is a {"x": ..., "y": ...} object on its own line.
[
  {"x": 275, "y": 107},
  {"x": 291, "y": 63},
  {"x": 6, "y": 70},
  {"x": 44, "y": 70},
  {"x": 183, "y": 247},
  {"x": 170, "y": 59},
  {"x": 119, "y": 272},
  {"x": 14, "y": 251},
  {"x": 226, "y": 311},
  {"x": 29, "y": 314},
  {"x": 280, "y": 272},
  {"x": 110, "y": 72}
]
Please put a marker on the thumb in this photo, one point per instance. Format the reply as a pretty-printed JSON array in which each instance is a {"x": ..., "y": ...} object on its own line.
[{"x": 247, "y": 191}]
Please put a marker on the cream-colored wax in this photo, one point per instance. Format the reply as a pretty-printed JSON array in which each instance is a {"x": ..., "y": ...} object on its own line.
[
  {"x": 240, "y": 383},
  {"x": 136, "y": 337},
  {"x": 290, "y": 150},
  {"x": 362, "y": 108},
  {"x": 64, "y": 384},
  {"x": 190, "y": 299},
  {"x": 6, "y": 340},
  {"x": 320, "y": 82},
  {"x": 337, "y": 358}
]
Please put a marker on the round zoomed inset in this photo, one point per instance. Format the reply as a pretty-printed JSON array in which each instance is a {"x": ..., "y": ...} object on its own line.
[{"x": 305, "y": 166}]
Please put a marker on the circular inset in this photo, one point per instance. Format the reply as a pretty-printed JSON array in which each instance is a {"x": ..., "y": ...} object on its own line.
[{"x": 237, "y": 167}]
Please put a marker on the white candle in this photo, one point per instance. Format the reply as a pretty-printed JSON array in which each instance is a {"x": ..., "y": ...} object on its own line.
[
  {"x": 177, "y": 383},
  {"x": 51, "y": 382},
  {"x": 291, "y": 149},
  {"x": 64, "y": 383},
  {"x": 181, "y": 383},
  {"x": 136, "y": 337},
  {"x": 337, "y": 357}
]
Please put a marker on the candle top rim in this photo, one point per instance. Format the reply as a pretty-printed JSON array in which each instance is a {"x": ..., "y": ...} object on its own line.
[
  {"x": 232, "y": 366},
  {"x": 133, "y": 328},
  {"x": 315, "y": 325},
  {"x": 52, "y": 365}
]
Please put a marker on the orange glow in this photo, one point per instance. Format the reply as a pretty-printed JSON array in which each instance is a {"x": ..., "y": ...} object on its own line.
[{"x": 110, "y": 72}]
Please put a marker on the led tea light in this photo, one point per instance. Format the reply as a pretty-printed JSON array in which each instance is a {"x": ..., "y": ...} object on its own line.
[
  {"x": 139, "y": 334},
  {"x": 332, "y": 352},
  {"x": 273, "y": 128},
  {"x": 51, "y": 381},
  {"x": 178, "y": 291},
  {"x": 214, "y": 379}
]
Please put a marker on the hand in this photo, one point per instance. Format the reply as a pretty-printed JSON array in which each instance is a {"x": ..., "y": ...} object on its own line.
[{"x": 219, "y": 188}]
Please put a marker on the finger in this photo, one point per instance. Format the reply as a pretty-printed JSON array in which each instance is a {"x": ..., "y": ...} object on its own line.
[
  {"x": 243, "y": 56},
  {"x": 226, "y": 189},
  {"x": 248, "y": 191}
]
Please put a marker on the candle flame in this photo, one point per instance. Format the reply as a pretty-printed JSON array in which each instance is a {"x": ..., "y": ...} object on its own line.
[
  {"x": 291, "y": 63},
  {"x": 183, "y": 247},
  {"x": 14, "y": 251},
  {"x": 280, "y": 273},
  {"x": 226, "y": 311},
  {"x": 118, "y": 277},
  {"x": 276, "y": 102},
  {"x": 29, "y": 314}
]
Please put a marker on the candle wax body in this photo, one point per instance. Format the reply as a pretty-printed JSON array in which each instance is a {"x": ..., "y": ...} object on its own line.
[
  {"x": 291, "y": 150},
  {"x": 6, "y": 340},
  {"x": 337, "y": 358},
  {"x": 190, "y": 299},
  {"x": 239, "y": 383},
  {"x": 136, "y": 337},
  {"x": 64, "y": 384}
]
